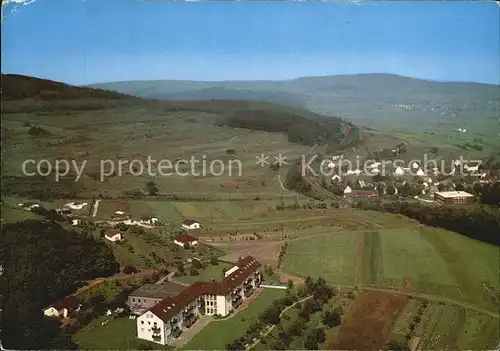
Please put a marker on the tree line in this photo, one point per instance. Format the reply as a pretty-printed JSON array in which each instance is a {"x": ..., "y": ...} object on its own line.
[
  {"x": 478, "y": 222},
  {"x": 43, "y": 262}
]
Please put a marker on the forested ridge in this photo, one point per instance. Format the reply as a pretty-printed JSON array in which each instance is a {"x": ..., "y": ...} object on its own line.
[{"x": 42, "y": 263}]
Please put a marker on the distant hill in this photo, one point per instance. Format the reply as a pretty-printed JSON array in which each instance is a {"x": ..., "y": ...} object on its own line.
[
  {"x": 367, "y": 98},
  {"x": 28, "y": 94},
  {"x": 17, "y": 87}
]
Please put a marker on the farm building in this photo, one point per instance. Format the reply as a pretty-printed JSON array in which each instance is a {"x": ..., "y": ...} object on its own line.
[
  {"x": 190, "y": 224},
  {"x": 184, "y": 239},
  {"x": 453, "y": 197},
  {"x": 63, "y": 308},
  {"x": 113, "y": 236}
]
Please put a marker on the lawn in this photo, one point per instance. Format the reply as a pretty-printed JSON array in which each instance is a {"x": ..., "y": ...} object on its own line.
[
  {"x": 330, "y": 256},
  {"x": 219, "y": 333},
  {"x": 117, "y": 334},
  {"x": 207, "y": 274}
]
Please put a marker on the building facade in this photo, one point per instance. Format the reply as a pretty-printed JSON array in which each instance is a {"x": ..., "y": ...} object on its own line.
[
  {"x": 454, "y": 197},
  {"x": 165, "y": 321}
]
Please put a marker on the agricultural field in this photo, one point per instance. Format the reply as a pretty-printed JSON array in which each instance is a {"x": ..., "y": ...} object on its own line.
[
  {"x": 115, "y": 143},
  {"x": 424, "y": 260},
  {"x": 219, "y": 333},
  {"x": 329, "y": 256},
  {"x": 375, "y": 309}
]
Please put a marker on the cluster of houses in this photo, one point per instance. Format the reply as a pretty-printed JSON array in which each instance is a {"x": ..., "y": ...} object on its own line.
[{"x": 166, "y": 312}]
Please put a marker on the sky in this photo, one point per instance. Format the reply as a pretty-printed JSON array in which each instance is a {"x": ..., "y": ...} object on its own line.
[{"x": 83, "y": 42}]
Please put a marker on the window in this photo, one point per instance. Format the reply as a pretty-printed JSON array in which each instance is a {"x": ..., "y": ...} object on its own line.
[
  {"x": 133, "y": 300},
  {"x": 142, "y": 329},
  {"x": 149, "y": 323},
  {"x": 155, "y": 324},
  {"x": 142, "y": 322}
]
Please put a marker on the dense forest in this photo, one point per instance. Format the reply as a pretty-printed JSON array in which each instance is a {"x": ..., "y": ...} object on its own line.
[
  {"x": 477, "y": 222},
  {"x": 42, "y": 263},
  {"x": 299, "y": 129}
]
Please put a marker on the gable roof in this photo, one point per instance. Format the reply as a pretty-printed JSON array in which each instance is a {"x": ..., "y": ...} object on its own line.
[
  {"x": 171, "y": 306},
  {"x": 112, "y": 233},
  {"x": 189, "y": 222},
  {"x": 185, "y": 238}
]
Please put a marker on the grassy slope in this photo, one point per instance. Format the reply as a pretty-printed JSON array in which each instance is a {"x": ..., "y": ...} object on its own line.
[
  {"x": 430, "y": 260},
  {"x": 218, "y": 334}
]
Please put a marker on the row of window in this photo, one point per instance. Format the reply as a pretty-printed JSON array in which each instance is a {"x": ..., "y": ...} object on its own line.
[
  {"x": 460, "y": 200},
  {"x": 211, "y": 310},
  {"x": 149, "y": 323}
]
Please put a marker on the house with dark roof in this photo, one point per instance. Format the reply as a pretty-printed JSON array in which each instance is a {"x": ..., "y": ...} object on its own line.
[
  {"x": 63, "y": 308},
  {"x": 184, "y": 239},
  {"x": 165, "y": 321},
  {"x": 190, "y": 224}
]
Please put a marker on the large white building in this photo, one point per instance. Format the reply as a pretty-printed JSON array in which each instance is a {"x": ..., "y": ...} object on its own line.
[{"x": 165, "y": 321}]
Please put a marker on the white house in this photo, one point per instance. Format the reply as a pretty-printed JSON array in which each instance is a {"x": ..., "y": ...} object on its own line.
[
  {"x": 375, "y": 165},
  {"x": 76, "y": 221},
  {"x": 471, "y": 169},
  {"x": 119, "y": 213},
  {"x": 399, "y": 171},
  {"x": 415, "y": 165},
  {"x": 63, "y": 308},
  {"x": 190, "y": 224},
  {"x": 76, "y": 205},
  {"x": 113, "y": 236},
  {"x": 420, "y": 172},
  {"x": 184, "y": 239},
  {"x": 331, "y": 165},
  {"x": 347, "y": 190},
  {"x": 167, "y": 320}
]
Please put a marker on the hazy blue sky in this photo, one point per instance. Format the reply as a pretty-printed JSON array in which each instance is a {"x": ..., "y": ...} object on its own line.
[{"x": 91, "y": 41}]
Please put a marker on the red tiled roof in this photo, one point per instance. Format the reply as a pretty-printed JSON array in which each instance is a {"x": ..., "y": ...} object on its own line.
[
  {"x": 171, "y": 306},
  {"x": 69, "y": 302},
  {"x": 112, "y": 233},
  {"x": 189, "y": 222},
  {"x": 185, "y": 239}
]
